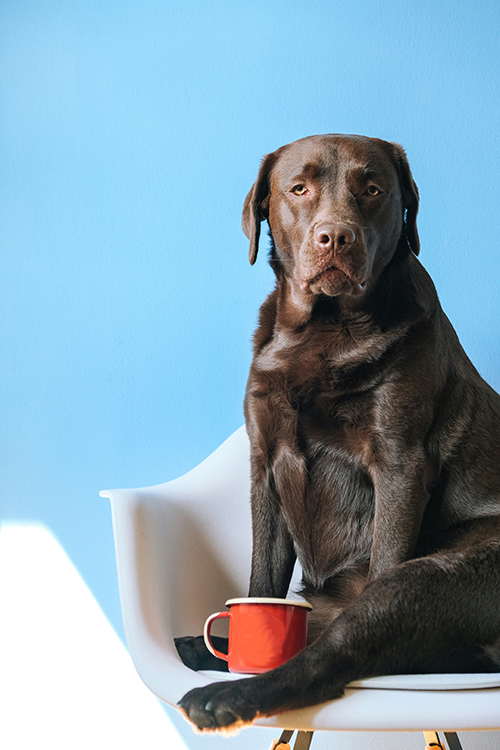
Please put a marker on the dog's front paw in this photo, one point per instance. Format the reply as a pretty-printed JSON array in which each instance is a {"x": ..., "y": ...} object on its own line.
[{"x": 221, "y": 706}]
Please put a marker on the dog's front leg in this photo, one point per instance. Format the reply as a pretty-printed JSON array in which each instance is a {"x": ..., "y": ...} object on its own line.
[
  {"x": 278, "y": 476},
  {"x": 400, "y": 499},
  {"x": 278, "y": 471},
  {"x": 273, "y": 554}
]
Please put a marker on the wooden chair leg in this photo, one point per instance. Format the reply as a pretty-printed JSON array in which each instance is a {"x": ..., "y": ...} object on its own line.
[
  {"x": 453, "y": 741},
  {"x": 304, "y": 739},
  {"x": 284, "y": 740},
  {"x": 434, "y": 743},
  {"x": 302, "y": 742}
]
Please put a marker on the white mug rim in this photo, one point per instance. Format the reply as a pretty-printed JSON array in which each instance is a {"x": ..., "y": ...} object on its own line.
[{"x": 268, "y": 600}]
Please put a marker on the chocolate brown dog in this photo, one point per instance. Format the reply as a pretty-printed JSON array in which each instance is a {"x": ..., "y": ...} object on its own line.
[{"x": 375, "y": 444}]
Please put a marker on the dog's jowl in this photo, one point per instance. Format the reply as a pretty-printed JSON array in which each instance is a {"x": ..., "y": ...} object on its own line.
[{"x": 375, "y": 444}]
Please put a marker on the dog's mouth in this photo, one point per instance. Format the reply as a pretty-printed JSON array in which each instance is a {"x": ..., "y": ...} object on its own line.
[{"x": 333, "y": 281}]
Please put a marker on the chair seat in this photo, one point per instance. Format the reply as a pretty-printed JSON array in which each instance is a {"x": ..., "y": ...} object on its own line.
[
  {"x": 183, "y": 548},
  {"x": 454, "y": 681}
]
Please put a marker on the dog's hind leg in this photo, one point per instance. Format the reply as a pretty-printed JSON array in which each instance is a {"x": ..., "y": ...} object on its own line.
[{"x": 387, "y": 630}]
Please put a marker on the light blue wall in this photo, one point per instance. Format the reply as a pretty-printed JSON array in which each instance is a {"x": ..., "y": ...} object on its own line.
[{"x": 130, "y": 133}]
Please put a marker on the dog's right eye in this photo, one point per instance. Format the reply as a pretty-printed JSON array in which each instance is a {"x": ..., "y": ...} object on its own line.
[{"x": 299, "y": 190}]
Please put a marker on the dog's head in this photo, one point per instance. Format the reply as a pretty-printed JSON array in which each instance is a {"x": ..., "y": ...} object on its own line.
[{"x": 338, "y": 208}]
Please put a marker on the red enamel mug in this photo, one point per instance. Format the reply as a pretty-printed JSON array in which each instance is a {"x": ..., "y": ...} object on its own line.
[{"x": 263, "y": 633}]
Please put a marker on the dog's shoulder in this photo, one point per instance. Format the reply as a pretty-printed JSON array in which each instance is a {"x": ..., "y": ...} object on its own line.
[{"x": 267, "y": 321}]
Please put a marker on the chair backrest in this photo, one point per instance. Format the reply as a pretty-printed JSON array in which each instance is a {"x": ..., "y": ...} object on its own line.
[
  {"x": 184, "y": 547},
  {"x": 193, "y": 538}
]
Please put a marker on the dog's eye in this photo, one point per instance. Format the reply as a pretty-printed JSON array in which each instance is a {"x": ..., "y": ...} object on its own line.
[
  {"x": 299, "y": 190},
  {"x": 372, "y": 190}
]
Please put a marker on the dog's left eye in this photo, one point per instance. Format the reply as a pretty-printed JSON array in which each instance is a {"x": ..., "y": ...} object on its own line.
[
  {"x": 299, "y": 190},
  {"x": 372, "y": 190}
]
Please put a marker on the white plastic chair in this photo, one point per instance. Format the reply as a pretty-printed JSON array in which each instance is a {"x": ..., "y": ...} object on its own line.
[{"x": 183, "y": 548}]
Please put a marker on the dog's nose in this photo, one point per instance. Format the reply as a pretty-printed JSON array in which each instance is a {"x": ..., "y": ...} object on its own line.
[{"x": 327, "y": 236}]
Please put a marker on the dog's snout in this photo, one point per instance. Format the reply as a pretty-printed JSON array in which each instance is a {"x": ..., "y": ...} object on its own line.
[{"x": 329, "y": 235}]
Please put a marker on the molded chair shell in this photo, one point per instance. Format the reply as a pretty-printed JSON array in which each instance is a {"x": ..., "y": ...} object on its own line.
[{"x": 183, "y": 548}]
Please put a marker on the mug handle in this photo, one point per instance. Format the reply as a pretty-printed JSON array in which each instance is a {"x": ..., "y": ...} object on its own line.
[{"x": 206, "y": 634}]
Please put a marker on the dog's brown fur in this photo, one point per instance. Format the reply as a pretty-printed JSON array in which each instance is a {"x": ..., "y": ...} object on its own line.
[{"x": 374, "y": 441}]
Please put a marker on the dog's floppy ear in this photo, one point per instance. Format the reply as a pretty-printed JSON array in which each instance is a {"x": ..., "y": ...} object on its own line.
[
  {"x": 409, "y": 193},
  {"x": 256, "y": 206}
]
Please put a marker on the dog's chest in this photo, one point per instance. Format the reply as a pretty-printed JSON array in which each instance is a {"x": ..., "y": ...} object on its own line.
[
  {"x": 332, "y": 522},
  {"x": 322, "y": 375},
  {"x": 335, "y": 528}
]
